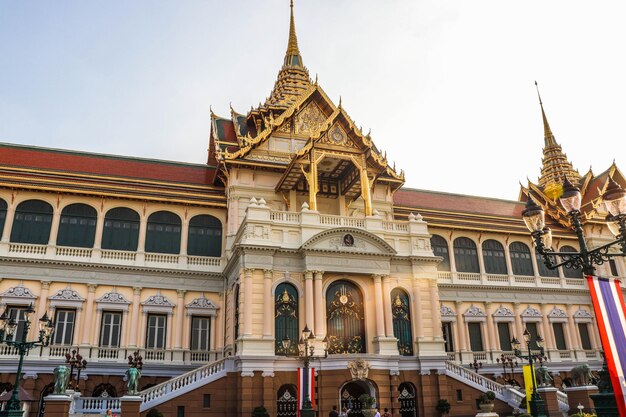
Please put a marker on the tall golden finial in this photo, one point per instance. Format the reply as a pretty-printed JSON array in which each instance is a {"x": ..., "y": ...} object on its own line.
[
  {"x": 548, "y": 136},
  {"x": 292, "y": 56}
]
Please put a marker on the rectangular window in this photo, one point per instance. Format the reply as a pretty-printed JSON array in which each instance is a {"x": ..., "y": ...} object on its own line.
[
  {"x": 476, "y": 337},
  {"x": 532, "y": 329},
  {"x": 504, "y": 333},
  {"x": 180, "y": 411},
  {"x": 64, "y": 327},
  {"x": 155, "y": 332},
  {"x": 17, "y": 313},
  {"x": 206, "y": 401},
  {"x": 583, "y": 329},
  {"x": 459, "y": 395},
  {"x": 201, "y": 333},
  {"x": 447, "y": 336},
  {"x": 559, "y": 336},
  {"x": 110, "y": 329}
]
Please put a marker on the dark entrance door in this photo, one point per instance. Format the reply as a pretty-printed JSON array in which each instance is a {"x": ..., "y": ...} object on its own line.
[
  {"x": 350, "y": 394},
  {"x": 287, "y": 402},
  {"x": 406, "y": 398}
]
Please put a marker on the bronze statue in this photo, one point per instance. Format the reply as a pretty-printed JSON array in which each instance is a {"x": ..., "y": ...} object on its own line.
[
  {"x": 61, "y": 379},
  {"x": 582, "y": 375},
  {"x": 132, "y": 376},
  {"x": 544, "y": 379}
]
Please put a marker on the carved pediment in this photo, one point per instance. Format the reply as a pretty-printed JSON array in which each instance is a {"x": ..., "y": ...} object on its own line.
[{"x": 348, "y": 240}]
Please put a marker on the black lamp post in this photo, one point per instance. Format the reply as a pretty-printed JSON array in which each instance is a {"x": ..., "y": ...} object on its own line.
[
  {"x": 8, "y": 328},
  {"x": 537, "y": 406},
  {"x": 75, "y": 361},
  {"x": 615, "y": 201},
  {"x": 507, "y": 362},
  {"x": 476, "y": 365},
  {"x": 305, "y": 351}
]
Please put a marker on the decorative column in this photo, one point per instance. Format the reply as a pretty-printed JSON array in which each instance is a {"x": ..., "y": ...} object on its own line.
[
  {"x": 180, "y": 315},
  {"x": 417, "y": 309},
  {"x": 97, "y": 242},
  {"x": 365, "y": 189},
  {"x": 451, "y": 255},
  {"x": 54, "y": 227},
  {"x": 519, "y": 326},
  {"x": 378, "y": 303},
  {"x": 507, "y": 257},
  {"x": 548, "y": 334},
  {"x": 435, "y": 309},
  {"x": 8, "y": 221},
  {"x": 309, "y": 319},
  {"x": 572, "y": 328},
  {"x": 134, "y": 317},
  {"x": 184, "y": 235},
  {"x": 320, "y": 305},
  {"x": 143, "y": 226},
  {"x": 387, "y": 305},
  {"x": 491, "y": 334},
  {"x": 41, "y": 307},
  {"x": 88, "y": 322},
  {"x": 311, "y": 178},
  {"x": 247, "y": 301},
  {"x": 268, "y": 313},
  {"x": 460, "y": 327},
  {"x": 481, "y": 260}
]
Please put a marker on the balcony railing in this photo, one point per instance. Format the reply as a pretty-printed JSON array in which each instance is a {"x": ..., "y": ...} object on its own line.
[
  {"x": 523, "y": 281},
  {"x": 112, "y": 257}
]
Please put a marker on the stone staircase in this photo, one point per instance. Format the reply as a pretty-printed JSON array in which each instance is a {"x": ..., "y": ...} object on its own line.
[
  {"x": 504, "y": 393},
  {"x": 185, "y": 383}
]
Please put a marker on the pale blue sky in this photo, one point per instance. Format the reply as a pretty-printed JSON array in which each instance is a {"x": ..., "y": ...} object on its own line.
[{"x": 445, "y": 86}]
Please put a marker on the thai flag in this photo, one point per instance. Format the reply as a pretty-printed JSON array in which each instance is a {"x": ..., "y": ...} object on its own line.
[
  {"x": 610, "y": 310},
  {"x": 301, "y": 388}
]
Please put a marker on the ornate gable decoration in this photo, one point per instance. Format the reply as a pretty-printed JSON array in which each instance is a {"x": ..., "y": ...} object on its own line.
[
  {"x": 474, "y": 313},
  {"x": 583, "y": 315},
  {"x": 531, "y": 313},
  {"x": 19, "y": 295},
  {"x": 348, "y": 240},
  {"x": 557, "y": 312},
  {"x": 309, "y": 120},
  {"x": 157, "y": 304},
  {"x": 337, "y": 136},
  {"x": 447, "y": 311},
  {"x": 113, "y": 301},
  {"x": 201, "y": 306},
  {"x": 66, "y": 298},
  {"x": 503, "y": 312}
]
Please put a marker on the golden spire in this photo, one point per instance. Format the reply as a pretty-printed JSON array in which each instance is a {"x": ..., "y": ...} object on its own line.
[
  {"x": 555, "y": 166},
  {"x": 547, "y": 133},
  {"x": 292, "y": 56}
]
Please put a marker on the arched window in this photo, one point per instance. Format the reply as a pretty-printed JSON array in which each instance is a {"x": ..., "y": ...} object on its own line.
[
  {"x": 287, "y": 401},
  {"x": 465, "y": 255},
  {"x": 440, "y": 248},
  {"x": 78, "y": 226},
  {"x": 205, "y": 236},
  {"x": 286, "y": 318},
  {"x": 543, "y": 269},
  {"x": 345, "y": 320},
  {"x": 32, "y": 222},
  {"x": 401, "y": 313},
  {"x": 104, "y": 390},
  {"x": 406, "y": 398},
  {"x": 121, "y": 229},
  {"x": 521, "y": 260},
  {"x": 163, "y": 234},
  {"x": 570, "y": 272},
  {"x": 493, "y": 257},
  {"x": 3, "y": 215}
]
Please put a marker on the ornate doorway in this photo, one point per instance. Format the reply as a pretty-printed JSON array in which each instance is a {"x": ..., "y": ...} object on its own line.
[
  {"x": 345, "y": 321},
  {"x": 406, "y": 398},
  {"x": 350, "y": 393},
  {"x": 287, "y": 402}
]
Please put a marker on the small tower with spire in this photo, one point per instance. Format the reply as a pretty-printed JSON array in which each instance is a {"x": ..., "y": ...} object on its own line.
[
  {"x": 555, "y": 166},
  {"x": 293, "y": 77}
]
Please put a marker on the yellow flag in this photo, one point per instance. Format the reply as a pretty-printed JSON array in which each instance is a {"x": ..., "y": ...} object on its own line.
[{"x": 529, "y": 375}]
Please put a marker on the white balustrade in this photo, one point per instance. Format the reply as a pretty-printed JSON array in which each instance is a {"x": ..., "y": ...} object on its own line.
[
  {"x": 96, "y": 405},
  {"x": 395, "y": 226},
  {"x": 162, "y": 258},
  {"x": 118, "y": 255},
  {"x": 74, "y": 252},
  {"x": 27, "y": 249},
  {"x": 468, "y": 277},
  {"x": 331, "y": 220}
]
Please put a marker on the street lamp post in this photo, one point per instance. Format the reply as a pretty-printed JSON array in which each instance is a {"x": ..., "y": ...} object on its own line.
[
  {"x": 476, "y": 365},
  {"x": 614, "y": 199},
  {"x": 75, "y": 361},
  {"x": 305, "y": 351},
  {"x": 537, "y": 406},
  {"x": 507, "y": 362},
  {"x": 8, "y": 328}
]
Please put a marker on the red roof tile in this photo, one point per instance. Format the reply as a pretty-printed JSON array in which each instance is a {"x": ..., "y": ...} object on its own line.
[{"x": 108, "y": 165}]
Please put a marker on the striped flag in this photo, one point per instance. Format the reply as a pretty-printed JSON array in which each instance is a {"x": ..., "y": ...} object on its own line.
[
  {"x": 301, "y": 387},
  {"x": 608, "y": 304}
]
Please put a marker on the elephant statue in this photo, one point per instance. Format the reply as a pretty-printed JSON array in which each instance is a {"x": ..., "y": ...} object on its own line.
[
  {"x": 581, "y": 375},
  {"x": 61, "y": 378},
  {"x": 544, "y": 379},
  {"x": 132, "y": 376}
]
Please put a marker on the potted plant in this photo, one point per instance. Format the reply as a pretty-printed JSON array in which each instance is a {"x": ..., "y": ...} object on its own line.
[
  {"x": 367, "y": 402},
  {"x": 485, "y": 401},
  {"x": 443, "y": 406}
]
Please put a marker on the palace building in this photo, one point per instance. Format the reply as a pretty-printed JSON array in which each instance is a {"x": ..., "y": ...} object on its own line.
[{"x": 297, "y": 219}]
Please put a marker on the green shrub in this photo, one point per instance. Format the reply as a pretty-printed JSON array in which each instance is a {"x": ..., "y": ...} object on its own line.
[
  {"x": 154, "y": 413},
  {"x": 443, "y": 406},
  {"x": 260, "y": 412}
]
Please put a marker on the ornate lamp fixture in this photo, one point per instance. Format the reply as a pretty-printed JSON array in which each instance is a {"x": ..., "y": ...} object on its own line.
[
  {"x": 306, "y": 351},
  {"x": 9, "y": 335},
  {"x": 537, "y": 406}
]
